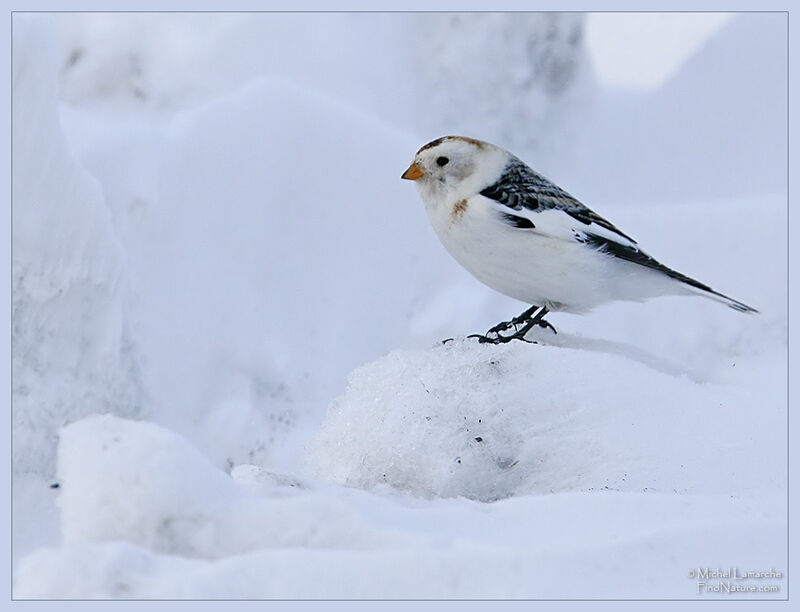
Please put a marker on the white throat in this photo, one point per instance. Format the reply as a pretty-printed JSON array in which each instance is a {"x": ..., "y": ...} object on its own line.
[{"x": 435, "y": 193}]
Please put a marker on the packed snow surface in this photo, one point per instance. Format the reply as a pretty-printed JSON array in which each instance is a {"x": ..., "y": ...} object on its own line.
[{"x": 228, "y": 314}]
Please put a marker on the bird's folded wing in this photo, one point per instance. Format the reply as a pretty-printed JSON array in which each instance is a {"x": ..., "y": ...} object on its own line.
[
  {"x": 556, "y": 223},
  {"x": 523, "y": 191},
  {"x": 527, "y": 201}
]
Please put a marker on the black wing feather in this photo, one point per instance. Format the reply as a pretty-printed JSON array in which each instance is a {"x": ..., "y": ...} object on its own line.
[
  {"x": 516, "y": 221},
  {"x": 634, "y": 255}
]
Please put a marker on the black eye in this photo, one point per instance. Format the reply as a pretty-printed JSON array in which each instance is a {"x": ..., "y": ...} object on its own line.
[{"x": 442, "y": 161}]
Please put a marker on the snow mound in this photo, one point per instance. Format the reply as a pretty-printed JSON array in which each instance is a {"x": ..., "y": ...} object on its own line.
[
  {"x": 487, "y": 422},
  {"x": 138, "y": 482}
]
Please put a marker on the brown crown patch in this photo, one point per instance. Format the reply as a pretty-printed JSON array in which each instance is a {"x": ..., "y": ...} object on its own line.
[{"x": 478, "y": 143}]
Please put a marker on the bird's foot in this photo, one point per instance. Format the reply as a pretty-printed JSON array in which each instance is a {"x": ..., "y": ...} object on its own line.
[
  {"x": 522, "y": 324},
  {"x": 496, "y": 338},
  {"x": 500, "y": 339}
]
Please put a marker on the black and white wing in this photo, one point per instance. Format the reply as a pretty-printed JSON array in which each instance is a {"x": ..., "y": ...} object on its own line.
[
  {"x": 528, "y": 201},
  {"x": 521, "y": 189}
]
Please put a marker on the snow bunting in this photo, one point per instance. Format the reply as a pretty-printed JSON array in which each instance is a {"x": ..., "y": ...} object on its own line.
[{"x": 527, "y": 238}]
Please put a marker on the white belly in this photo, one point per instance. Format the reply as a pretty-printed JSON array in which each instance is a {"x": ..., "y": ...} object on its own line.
[{"x": 559, "y": 273}]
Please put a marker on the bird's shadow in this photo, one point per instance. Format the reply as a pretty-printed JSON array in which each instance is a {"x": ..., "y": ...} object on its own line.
[{"x": 613, "y": 347}]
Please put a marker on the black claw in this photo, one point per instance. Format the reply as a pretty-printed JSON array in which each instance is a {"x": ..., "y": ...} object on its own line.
[
  {"x": 501, "y": 327},
  {"x": 546, "y": 324},
  {"x": 522, "y": 324},
  {"x": 499, "y": 339},
  {"x": 527, "y": 320}
]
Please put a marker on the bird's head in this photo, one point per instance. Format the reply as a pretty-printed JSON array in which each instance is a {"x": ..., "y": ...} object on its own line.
[{"x": 455, "y": 167}]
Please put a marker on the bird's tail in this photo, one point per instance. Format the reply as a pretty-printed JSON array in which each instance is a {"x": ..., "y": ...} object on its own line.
[
  {"x": 706, "y": 291},
  {"x": 698, "y": 288},
  {"x": 636, "y": 256}
]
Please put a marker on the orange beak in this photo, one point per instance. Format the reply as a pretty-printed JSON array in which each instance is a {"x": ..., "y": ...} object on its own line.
[{"x": 413, "y": 173}]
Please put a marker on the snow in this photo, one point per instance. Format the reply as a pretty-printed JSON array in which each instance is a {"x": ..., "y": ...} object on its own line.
[
  {"x": 145, "y": 515},
  {"x": 205, "y": 514},
  {"x": 663, "y": 41},
  {"x": 165, "y": 62},
  {"x": 546, "y": 74},
  {"x": 71, "y": 354},
  {"x": 728, "y": 125},
  {"x": 487, "y": 422},
  {"x": 228, "y": 312},
  {"x": 255, "y": 206}
]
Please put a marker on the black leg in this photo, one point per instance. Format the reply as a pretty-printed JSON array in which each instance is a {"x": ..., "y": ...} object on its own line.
[
  {"x": 525, "y": 316},
  {"x": 527, "y": 319},
  {"x": 503, "y": 326}
]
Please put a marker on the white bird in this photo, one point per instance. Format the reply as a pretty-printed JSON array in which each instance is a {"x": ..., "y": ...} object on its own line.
[{"x": 529, "y": 239}]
